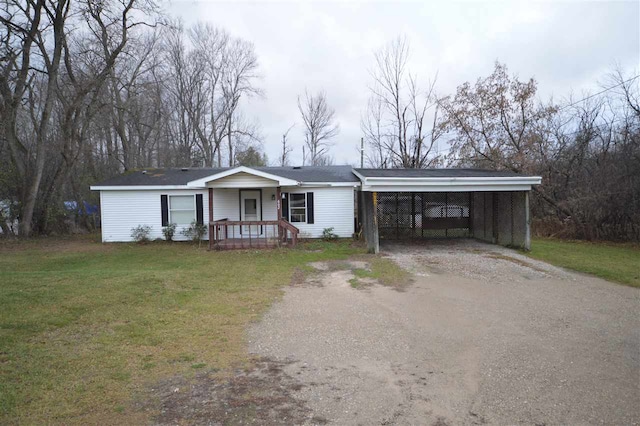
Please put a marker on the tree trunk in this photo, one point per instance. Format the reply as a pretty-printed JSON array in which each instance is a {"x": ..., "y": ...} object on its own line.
[{"x": 230, "y": 144}]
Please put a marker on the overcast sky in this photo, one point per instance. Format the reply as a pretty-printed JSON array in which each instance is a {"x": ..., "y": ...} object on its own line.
[{"x": 567, "y": 47}]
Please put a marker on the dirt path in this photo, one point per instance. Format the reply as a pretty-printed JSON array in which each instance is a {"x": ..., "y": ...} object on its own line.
[{"x": 482, "y": 335}]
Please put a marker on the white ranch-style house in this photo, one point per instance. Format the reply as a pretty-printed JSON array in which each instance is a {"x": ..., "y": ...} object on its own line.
[{"x": 246, "y": 207}]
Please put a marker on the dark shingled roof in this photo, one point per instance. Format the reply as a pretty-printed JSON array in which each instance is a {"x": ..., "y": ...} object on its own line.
[
  {"x": 176, "y": 176},
  {"x": 435, "y": 173},
  {"x": 314, "y": 173},
  {"x": 159, "y": 177}
]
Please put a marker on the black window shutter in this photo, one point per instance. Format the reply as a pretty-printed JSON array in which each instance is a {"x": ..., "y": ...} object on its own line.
[
  {"x": 285, "y": 205},
  {"x": 164, "y": 206},
  {"x": 310, "y": 217},
  {"x": 199, "y": 211}
]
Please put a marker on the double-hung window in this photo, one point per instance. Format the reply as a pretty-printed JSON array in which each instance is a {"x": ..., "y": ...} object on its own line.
[
  {"x": 298, "y": 207},
  {"x": 182, "y": 209}
]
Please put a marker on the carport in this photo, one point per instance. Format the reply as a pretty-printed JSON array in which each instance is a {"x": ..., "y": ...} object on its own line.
[{"x": 409, "y": 204}]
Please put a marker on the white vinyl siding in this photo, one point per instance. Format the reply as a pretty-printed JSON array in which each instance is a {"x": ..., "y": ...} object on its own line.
[
  {"x": 243, "y": 180},
  {"x": 333, "y": 207},
  {"x": 123, "y": 210}
]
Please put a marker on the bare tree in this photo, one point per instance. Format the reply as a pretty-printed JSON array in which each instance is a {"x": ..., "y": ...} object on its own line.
[
  {"x": 40, "y": 66},
  {"x": 239, "y": 75},
  {"x": 244, "y": 133},
  {"x": 494, "y": 122},
  {"x": 91, "y": 88},
  {"x": 318, "y": 119},
  {"x": 211, "y": 74},
  {"x": 286, "y": 148},
  {"x": 27, "y": 27},
  {"x": 586, "y": 150},
  {"x": 395, "y": 123},
  {"x": 325, "y": 160},
  {"x": 195, "y": 81},
  {"x": 186, "y": 88},
  {"x": 375, "y": 135},
  {"x": 134, "y": 105},
  {"x": 624, "y": 89}
]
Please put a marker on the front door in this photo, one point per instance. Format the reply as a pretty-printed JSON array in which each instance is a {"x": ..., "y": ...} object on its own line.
[{"x": 250, "y": 210}]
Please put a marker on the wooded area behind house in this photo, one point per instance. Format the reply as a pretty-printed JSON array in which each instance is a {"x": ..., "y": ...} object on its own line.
[{"x": 91, "y": 89}]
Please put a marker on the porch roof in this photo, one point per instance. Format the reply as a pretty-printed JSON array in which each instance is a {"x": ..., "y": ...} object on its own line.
[{"x": 242, "y": 176}]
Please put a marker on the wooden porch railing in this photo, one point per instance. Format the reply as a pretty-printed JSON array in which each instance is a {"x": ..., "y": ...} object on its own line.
[{"x": 227, "y": 234}]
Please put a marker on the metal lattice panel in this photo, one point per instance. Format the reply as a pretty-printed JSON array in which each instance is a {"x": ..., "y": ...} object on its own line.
[{"x": 408, "y": 215}]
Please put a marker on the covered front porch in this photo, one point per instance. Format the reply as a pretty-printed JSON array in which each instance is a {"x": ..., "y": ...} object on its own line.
[
  {"x": 229, "y": 235},
  {"x": 246, "y": 210}
]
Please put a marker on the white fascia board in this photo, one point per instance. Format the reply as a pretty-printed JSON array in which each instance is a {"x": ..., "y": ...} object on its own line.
[
  {"x": 447, "y": 188},
  {"x": 451, "y": 182},
  {"x": 358, "y": 175},
  {"x": 140, "y": 187},
  {"x": 530, "y": 180},
  {"x": 242, "y": 169},
  {"x": 330, "y": 184},
  {"x": 447, "y": 184}
]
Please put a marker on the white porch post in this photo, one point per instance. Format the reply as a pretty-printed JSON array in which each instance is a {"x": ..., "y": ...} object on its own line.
[
  {"x": 211, "y": 230},
  {"x": 279, "y": 211}
]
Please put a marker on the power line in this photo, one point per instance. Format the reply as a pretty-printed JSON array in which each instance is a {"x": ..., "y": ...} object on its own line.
[
  {"x": 438, "y": 149},
  {"x": 595, "y": 126},
  {"x": 599, "y": 93}
]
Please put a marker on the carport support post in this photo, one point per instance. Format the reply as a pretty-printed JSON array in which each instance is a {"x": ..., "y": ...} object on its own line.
[{"x": 370, "y": 222}]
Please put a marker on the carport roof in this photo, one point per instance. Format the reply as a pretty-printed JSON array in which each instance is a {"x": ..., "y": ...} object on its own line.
[
  {"x": 443, "y": 180},
  {"x": 434, "y": 173}
]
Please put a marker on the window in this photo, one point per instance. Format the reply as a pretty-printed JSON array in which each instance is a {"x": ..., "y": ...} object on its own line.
[
  {"x": 250, "y": 207},
  {"x": 182, "y": 209},
  {"x": 298, "y": 207}
]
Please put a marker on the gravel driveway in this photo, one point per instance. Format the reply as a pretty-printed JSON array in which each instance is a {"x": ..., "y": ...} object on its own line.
[{"x": 481, "y": 335}]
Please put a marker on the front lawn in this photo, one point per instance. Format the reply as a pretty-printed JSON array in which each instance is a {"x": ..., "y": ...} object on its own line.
[
  {"x": 86, "y": 329},
  {"x": 613, "y": 262}
]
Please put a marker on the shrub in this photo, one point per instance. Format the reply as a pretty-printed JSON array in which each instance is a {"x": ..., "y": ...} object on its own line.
[
  {"x": 195, "y": 232},
  {"x": 328, "y": 234},
  {"x": 141, "y": 233},
  {"x": 169, "y": 231}
]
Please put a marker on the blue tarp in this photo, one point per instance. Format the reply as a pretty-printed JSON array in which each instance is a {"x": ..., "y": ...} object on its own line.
[{"x": 73, "y": 206}]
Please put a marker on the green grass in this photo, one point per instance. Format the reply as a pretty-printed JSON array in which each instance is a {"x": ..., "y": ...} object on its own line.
[
  {"x": 384, "y": 271},
  {"x": 614, "y": 262},
  {"x": 86, "y": 329},
  {"x": 388, "y": 272}
]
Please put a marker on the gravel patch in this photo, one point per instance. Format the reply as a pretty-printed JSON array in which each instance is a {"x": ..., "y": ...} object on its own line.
[
  {"x": 473, "y": 259},
  {"x": 483, "y": 335}
]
